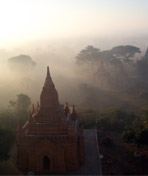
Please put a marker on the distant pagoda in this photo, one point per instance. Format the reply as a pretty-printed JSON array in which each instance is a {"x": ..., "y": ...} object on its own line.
[{"x": 51, "y": 141}]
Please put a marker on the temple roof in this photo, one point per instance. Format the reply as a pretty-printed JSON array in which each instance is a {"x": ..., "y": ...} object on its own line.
[{"x": 49, "y": 117}]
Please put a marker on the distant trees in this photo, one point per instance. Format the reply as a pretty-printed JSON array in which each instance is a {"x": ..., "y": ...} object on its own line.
[
  {"x": 22, "y": 103},
  {"x": 88, "y": 118},
  {"x": 115, "y": 119},
  {"x": 142, "y": 66},
  {"x": 92, "y": 55},
  {"x": 8, "y": 123},
  {"x": 125, "y": 52},
  {"x": 109, "y": 67},
  {"x": 21, "y": 106},
  {"x": 88, "y": 55},
  {"x": 21, "y": 63}
]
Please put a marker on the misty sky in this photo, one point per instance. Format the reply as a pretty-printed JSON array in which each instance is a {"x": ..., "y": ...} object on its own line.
[{"x": 24, "y": 20}]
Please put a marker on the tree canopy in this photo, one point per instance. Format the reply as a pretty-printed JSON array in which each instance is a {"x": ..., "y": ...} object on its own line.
[
  {"x": 22, "y": 103},
  {"x": 88, "y": 55},
  {"x": 21, "y": 63},
  {"x": 92, "y": 55},
  {"x": 124, "y": 52},
  {"x": 137, "y": 134},
  {"x": 21, "y": 106}
]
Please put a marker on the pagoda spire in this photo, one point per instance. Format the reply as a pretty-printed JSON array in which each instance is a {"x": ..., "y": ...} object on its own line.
[
  {"x": 66, "y": 108},
  {"x": 48, "y": 80},
  {"x": 49, "y": 95},
  {"x": 48, "y": 73},
  {"x": 38, "y": 106},
  {"x": 73, "y": 109},
  {"x": 33, "y": 109},
  {"x": 73, "y": 113}
]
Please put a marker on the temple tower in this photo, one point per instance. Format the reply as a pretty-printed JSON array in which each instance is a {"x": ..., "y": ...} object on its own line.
[{"x": 51, "y": 141}]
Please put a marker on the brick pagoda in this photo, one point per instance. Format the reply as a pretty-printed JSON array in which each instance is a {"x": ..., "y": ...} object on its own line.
[{"x": 51, "y": 141}]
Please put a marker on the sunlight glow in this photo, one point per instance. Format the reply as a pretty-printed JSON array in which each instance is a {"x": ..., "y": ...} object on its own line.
[{"x": 30, "y": 19}]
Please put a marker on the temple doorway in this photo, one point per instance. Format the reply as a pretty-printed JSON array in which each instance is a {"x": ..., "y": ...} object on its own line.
[{"x": 46, "y": 164}]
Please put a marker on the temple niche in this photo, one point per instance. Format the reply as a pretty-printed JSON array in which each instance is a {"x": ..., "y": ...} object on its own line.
[{"x": 51, "y": 141}]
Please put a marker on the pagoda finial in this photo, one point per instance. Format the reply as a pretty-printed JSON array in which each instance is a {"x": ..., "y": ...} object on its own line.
[
  {"x": 33, "y": 109},
  {"x": 48, "y": 73},
  {"x": 66, "y": 108},
  {"x": 38, "y": 106},
  {"x": 73, "y": 109},
  {"x": 73, "y": 113}
]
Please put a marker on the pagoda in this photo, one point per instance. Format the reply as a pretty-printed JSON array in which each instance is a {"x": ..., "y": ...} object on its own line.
[{"x": 51, "y": 141}]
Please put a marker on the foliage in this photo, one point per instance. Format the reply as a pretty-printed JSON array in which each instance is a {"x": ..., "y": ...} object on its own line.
[
  {"x": 21, "y": 63},
  {"x": 24, "y": 59},
  {"x": 8, "y": 120},
  {"x": 125, "y": 52},
  {"x": 107, "y": 141},
  {"x": 88, "y": 118},
  {"x": 115, "y": 119},
  {"x": 22, "y": 103},
  {"x": 138, "y": 135},
  {"x": 92, "y": 55},
  {"x": 88, "y": 55},
  {"x": 8, "y": 123},
  {"x": 114, "y": 69},
  {"x": 6, "y": 141},
  {"x": 21, "y": 106}
]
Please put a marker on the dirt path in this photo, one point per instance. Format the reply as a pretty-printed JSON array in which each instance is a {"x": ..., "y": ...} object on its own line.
[{"x": 91, "y": 165}]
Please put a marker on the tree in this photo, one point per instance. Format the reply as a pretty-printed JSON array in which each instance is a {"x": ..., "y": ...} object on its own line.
[
  {"x": 115, "y": 119},
  {"x": 108, "y": 66},
  {"x": 21, "y": 63},
  {"x": 8, "y": 120},
  {"x": 125, "y": 52},
  {"x": 6, "y": 141},
  {"x": 92, "y": 55},
  {"x": 89, "y": 55},
  {"x": 21, "y": 106},
  {"x": 22, "y": 103},
  {"x": 137, "y": 134}
]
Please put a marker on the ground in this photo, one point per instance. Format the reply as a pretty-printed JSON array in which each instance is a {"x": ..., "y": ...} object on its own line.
[
  {"x": 91, "y": 165},
  {"x": 119, "y": 159}
]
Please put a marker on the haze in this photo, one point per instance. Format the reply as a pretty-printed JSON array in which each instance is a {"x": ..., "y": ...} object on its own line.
[{"x": 52, "y": 32}]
